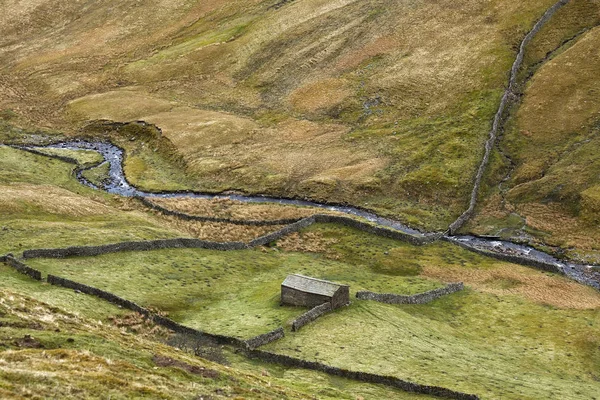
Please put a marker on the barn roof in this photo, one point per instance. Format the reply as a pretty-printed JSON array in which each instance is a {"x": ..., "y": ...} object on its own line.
[{"x": 311, "y": 285}]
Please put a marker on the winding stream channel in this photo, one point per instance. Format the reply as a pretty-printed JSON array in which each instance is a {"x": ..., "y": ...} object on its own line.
[{"x": 117, "y": 184}]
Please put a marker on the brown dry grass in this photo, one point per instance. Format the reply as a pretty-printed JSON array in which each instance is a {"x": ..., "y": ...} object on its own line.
[
  {"x": 309, "y": 242},
  {"x": 219, "y": 77},
  {"x": 219, "y": 146},
  {"x": 378, "y": 46},
  {"x": 318, "y": 95},
  {"x": 225, "y": 208},
  {"x": 562, "y": 97},
  {"x": 15, "y": 199},
  {"x": 563, "y": 229},
  {"x": 119, "y": 105},
  {"x": 545, "y": 224},
  {"x": 511, "y": 279},
  {"x": 218, "y": 232}
]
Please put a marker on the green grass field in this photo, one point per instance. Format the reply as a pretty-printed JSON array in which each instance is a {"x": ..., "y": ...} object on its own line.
[
  {"x": 503, "y": 337},
  {"x": 83, "y": 347},
  {"x": 498, "y": 347},
  {"x": 234, "y": 293}
]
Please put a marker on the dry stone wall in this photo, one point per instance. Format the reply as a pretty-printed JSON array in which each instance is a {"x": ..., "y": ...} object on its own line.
[
  {"x": 86, "y": 251},
  {"x": 265, "y": 338},
  {"x": 507, "y": 99},
  {"x": 22, "y": 268},
  {"x": 189, "y": 243},
  {"x": 420, "y": 298},
  {"x": 311, "y": 315},
  {"x": 375, "y": 230},
  {"x": 291, "y": 228},
  {"x": 188, "y": 217},
  {"x": 70, "y": 160},
  {"x": 513, "y": 258},
  {"x": 248, "y": 347},
  {"x": 360, "y": 376},
  {"x": 156, "y": 318},
  {"x": 346, "y": 221}
]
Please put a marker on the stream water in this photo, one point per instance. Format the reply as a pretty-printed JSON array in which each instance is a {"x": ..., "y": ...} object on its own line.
[{"x": 117, "y": 184}]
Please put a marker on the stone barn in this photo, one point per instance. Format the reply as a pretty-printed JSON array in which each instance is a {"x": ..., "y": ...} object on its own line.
[{"x": 300, "y": 290}]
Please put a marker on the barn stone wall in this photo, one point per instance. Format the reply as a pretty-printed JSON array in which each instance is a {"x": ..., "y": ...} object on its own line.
[
  {"x": 297, "y": 297},
  {"x": 341, "y": 297}
]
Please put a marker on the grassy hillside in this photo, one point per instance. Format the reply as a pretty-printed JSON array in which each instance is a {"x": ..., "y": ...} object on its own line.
[
  {"x": 551, "y": 190},
  {"x": 56, "y": 343},
  {"x": 509, "y": 319},
  {"x": 108, "y": 351},
  {"x": 381, "y": 103},
  {"x": 514, "y": 333}
]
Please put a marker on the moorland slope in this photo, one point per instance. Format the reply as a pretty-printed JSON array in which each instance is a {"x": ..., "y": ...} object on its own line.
[{"x": 383, "y": 104}]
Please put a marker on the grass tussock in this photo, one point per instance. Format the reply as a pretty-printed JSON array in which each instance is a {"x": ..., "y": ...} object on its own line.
[
  {"x": 231, "y": 209},
  {"x": 217, "y": 231}
]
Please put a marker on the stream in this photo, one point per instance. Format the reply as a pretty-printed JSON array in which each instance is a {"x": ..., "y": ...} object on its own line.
[{"x": 117, "y": 184}]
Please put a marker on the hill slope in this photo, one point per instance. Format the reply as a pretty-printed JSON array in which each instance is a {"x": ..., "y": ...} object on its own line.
[
  {"x": 544, "y": 184},
  {"x": 383, "y": 104}
]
